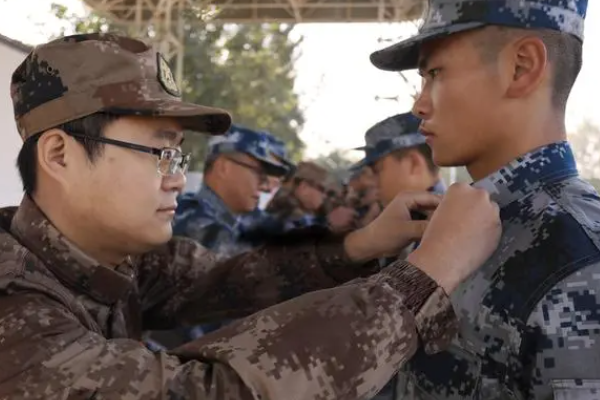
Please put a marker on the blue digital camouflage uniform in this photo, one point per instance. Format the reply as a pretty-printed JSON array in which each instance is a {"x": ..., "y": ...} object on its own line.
[
  {"x": 530, "y": 326},
  {"x": 203, "y": 216}
]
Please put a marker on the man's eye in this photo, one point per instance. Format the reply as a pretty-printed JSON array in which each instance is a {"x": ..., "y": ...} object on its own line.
[{"x": 432, "y": 73}]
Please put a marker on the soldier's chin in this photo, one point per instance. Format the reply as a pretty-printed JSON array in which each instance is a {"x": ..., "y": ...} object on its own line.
[
  {"x": 447, "y": 160},
  {"x": 152, "y": 239}
]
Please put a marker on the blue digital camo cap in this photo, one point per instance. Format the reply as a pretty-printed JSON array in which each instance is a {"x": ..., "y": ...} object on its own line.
[
  {"x": 280, "y": 151},
  {"x": 394, "y": 133},
  {"x": 445, "y": 17},
  {"x": 255, "y": 144}
]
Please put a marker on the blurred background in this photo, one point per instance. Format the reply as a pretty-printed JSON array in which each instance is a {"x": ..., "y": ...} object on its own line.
[{"x": 297, "y": 68}]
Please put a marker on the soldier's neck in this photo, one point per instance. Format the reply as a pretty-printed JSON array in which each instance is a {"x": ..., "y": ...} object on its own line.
[
  {"x": 518, "y": 143},
  {"x": 91, "y": 242}
]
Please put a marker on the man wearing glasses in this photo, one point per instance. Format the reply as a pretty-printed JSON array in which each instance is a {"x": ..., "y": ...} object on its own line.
[
  {"x": 237, "y": 170},
  {"x": 88, "y": 261}
]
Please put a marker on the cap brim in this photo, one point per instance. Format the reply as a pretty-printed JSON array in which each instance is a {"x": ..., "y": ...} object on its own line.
[
  {"x": 272, "y": 166},
  {"x": 358, "y": 166},
  {"x": 193, "y": 117},
  {"x": 405, "y": 54}
]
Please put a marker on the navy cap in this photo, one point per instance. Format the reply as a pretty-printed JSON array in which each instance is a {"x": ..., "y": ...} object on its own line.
[
  {"x": 445, "y": 17},
  {"x": 280, "y": 151},
  {"x": 255, "y": 144},
  {"x": 394, "y": 133}
]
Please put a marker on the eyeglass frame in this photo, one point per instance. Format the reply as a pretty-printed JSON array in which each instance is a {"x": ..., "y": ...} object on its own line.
[
  {"x": 263, "y": 176},
  {"x": 182, "y": 166}
]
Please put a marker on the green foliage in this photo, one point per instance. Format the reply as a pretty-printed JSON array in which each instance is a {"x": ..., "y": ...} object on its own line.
[{"x": 245, "y": 69}]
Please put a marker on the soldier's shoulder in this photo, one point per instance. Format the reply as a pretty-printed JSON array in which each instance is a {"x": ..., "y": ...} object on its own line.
[
  {"x": 580, "y": 200},
  {"x": 194, "y": 208},
  {"x": 12, "y": 256},
  {"x": 22, "y": 271}
]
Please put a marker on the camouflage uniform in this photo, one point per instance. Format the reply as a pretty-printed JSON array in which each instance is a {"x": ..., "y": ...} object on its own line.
[
  {"x": 203, "y": 216},
  {"x": 530, "y": 325},
  {"x": 70, "y": 327}
]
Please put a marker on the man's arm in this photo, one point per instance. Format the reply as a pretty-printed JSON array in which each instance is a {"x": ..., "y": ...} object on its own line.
[
  {"x": 341, "y": 343},
  {"x": 568, "y": 364},
  {"x": 185, "y": 283}
]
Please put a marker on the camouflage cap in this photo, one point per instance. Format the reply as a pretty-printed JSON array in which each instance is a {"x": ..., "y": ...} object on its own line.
[
  {"x": 240, "y": 139},
  {"x": 312, "y": 173},
  {"x": 394, "y": 133},
  {"x": 445, "y": 17},
  {"x": 279, "y": 150},
  {"x": 76, "y": 76}
]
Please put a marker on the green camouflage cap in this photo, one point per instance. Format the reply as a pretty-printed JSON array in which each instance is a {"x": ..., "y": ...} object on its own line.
[{"x": 76, "y": 76}]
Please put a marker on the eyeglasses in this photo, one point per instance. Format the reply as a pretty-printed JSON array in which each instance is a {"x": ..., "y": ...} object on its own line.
[
  {"x": 260, "y": 173},
  {"x": 170, "y": 160}
]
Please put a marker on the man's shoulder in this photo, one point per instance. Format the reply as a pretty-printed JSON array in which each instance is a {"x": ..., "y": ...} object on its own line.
[
  {"x": 22, "y": 271},
  {"x": 196, "y": 209},
  {"x": 572, "y": 198},
  {"x": 573, "y": 207}
]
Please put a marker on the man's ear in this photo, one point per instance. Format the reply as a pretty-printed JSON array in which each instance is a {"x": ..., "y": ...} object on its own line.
[
  {"x": 220, "y": 166},
  {"x": 528, "y": 65},
  {"x": 52, "y": 153}
]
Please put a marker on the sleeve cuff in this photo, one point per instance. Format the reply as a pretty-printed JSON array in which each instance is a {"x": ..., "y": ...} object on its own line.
[{"x": 436, "y": 321}]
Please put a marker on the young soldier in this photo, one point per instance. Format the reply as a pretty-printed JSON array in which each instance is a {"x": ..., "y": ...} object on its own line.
[{"x": 496, "y": 78}]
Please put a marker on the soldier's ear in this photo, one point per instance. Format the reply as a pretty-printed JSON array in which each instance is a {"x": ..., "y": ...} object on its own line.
[
  {"x": 219, "y": 166},
  {"x": 528, "y": 66},
  {"x": 59, "y": 155},
  {"x": 51, "y": 152}
]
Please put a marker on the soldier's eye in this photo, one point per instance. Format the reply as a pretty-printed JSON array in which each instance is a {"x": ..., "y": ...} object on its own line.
[{"x": 432, "y": 73}]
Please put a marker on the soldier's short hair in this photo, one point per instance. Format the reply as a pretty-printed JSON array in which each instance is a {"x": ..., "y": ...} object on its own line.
[
  {"x": 564, "y": 51},
  {"x": 92, "y": 126}
]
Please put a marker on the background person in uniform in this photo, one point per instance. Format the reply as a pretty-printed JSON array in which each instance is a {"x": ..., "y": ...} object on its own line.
[
  {"x": 236, "y": 172},
  {"x": 257, "y": 222},
  {"x": 496, "y": 79},
  {"x": 302, "y": 198},
  {"x": 400, "y": 159},
  {"x": 87, "y": 261},
  {"x": 362, "y": 194}
]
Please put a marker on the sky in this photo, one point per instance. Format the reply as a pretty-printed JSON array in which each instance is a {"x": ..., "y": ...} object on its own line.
[{"x": 337, "y": 84}]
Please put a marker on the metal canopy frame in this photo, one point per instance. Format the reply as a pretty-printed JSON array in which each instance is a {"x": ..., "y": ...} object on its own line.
[{"x": 166, "y": 17}]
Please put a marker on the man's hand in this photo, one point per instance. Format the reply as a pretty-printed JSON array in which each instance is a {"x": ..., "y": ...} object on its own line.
[
  {"x": 341, "y": 219},
  {"x": 462, "y": 234},
  {"x": 393, "y": 229}
]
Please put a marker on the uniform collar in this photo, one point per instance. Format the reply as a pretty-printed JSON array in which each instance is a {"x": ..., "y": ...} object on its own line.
[
  {"x": 527, "y": 173},
  {"x": 220, "y": 209},
  {"x": 67, "y": 262}
]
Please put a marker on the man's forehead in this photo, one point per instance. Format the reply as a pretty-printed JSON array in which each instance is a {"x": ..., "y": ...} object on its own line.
[{"x": 452, "y": 45}]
